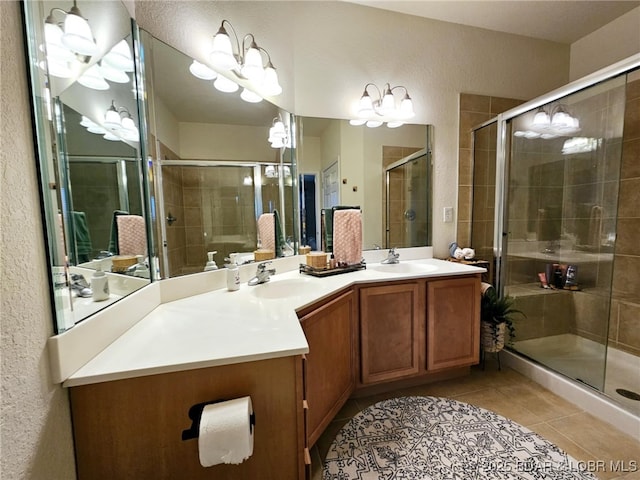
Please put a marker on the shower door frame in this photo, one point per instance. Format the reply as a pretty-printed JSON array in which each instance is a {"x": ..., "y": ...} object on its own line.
[
  {"x": 425, "y": 152},
  {"x": 503, "y": 148}
]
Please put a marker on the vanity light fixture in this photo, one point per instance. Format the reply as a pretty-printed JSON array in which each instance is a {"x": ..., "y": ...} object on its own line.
[
  {"x": 76, "y": 32},
  {"x": 248, "y": 63},
  {"x": 373, "y": 112},
  {"x": 278, "y": 137}
]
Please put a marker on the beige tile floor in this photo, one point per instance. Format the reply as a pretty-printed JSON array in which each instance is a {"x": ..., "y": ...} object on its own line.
[{"x": 514, "y": 396}]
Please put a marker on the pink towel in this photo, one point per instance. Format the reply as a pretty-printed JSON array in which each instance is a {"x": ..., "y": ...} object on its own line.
[
  {"x": 132, "y": 235},
  {"x": 267, "y": 231},
  {"x": 347, "y": 236}
]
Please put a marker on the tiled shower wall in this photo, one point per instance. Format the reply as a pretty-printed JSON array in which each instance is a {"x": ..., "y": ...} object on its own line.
[
  {"x": 624, "y": 325},
  {"x": 476, "y": 179}
]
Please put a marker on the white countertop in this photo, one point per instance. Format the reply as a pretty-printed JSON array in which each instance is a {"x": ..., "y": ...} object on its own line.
[{"x": 220, "y": 327}]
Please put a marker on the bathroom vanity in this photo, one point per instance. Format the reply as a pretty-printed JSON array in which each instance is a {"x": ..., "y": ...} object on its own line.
[{"x": 299, "y": 346}]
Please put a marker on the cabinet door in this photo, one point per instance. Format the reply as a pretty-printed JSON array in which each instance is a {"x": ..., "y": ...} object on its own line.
[
  {"x": 390, "y": 320},
  {"x": 330, "y": 378},
  {"x": 453, "y": 322}
]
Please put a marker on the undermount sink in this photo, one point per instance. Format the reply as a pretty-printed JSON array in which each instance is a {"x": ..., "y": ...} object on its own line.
[
  {"x": 274, "y": 290},
  {"x": 404, "y": 268}
]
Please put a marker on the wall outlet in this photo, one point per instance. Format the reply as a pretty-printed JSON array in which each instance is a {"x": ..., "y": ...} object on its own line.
[{"x": 447, "y": 214}]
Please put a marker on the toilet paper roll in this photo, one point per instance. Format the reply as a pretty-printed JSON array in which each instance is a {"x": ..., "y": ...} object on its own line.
[{"x": 226, "y": 433}]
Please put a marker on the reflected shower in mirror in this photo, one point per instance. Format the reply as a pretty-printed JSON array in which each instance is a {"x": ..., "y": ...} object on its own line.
[
  {"x": 343, "y": 164},
  {"x": 220, "y": 163}
]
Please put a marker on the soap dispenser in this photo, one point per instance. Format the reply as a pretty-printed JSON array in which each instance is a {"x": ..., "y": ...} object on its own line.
[
  {"x": 99, "y": 285},
  {"x": 233, "y": 276},
  {"x": 211, "y": 264}
]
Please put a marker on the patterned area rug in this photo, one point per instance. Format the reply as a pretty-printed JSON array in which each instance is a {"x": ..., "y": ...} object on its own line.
[{"x": 429, "y": 438}]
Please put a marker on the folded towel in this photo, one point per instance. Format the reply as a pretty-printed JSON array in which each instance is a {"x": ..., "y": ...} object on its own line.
[
  {"x": 327, "y": 224},
  {"x": 132, "y": 235},
  {"x": 113, "y": 236},
  {"x": 267, "y": 231},
  {"x": 347, "y": 236}
]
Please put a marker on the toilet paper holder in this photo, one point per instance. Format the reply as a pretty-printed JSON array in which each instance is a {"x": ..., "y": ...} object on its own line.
[{"x": 195, "y": 414}]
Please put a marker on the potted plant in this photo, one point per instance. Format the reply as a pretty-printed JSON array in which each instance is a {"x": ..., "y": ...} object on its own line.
[{"x": 496, "y": 315}]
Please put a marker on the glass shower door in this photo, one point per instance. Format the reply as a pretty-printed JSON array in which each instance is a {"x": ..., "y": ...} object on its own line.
[
  {"x": 408, "y": 213},
  {"x": 563, "y": 175}
]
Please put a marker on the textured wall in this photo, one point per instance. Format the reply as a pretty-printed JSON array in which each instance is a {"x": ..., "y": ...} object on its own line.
[{"x": 36, "y": 427}]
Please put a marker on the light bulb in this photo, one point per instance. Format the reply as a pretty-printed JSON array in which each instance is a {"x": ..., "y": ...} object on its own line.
[
  {"x": 223, "y": 84},
  {"x": 222, "y": 54},
  {"x": 97, "y": 129},
  {"x": 406, "y": 107},
  {"x": 77, "y": 34},
  {"x": 270, "y": 84},
  {"x": 357, "y": 122},
  {"x": 388, "y": 104},
  {"x": 394, "y": 124},
  {"x": 249, "y": 96},
  {"x": 92, "y": 78},
  {"x": 111, "y": 137},
  {"x": 541, "y": 119},
  {"x": 374, "y": 123},
  {"x": 201, "y": 71},
  {"x": 252, "y": 66},
  {"x": 119, "y": 57},
  {"x": 112, "y": 118},
  {"x": 113, "y": 74},
  {"x": 365, "y": 106}
]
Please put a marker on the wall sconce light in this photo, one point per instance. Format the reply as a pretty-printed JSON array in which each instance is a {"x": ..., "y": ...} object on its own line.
[
  {"x": 278, "y": 136},
  {"x": 384, "y": 108},
  {"x": 247, "y": 64},
  {"x": 75, "y": 33}
]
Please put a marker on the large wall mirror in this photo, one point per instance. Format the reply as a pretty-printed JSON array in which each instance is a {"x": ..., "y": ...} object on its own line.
[
  {"x": 215, "y": 172},
  {"x": 90, "y": 154},
  {"x": 384, "y": 171}
]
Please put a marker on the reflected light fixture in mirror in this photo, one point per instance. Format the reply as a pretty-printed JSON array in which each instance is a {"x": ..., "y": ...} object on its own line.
[
  {"x": 278, "y": 137},
  {"x": 384, "y": 108},
  {"x": 551, "y": 121},
  {"x": 65, "y": 41}
]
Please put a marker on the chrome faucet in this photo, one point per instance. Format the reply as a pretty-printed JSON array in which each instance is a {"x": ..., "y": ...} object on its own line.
[
  {"x": 392, "y": 257},
  {"x": 263, "y": 275}
]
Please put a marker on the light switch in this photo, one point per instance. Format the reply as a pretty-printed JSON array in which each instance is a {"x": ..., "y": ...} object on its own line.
[{"x": 447, "y": 214}]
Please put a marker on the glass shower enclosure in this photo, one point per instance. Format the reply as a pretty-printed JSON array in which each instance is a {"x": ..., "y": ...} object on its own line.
[{"x": 563, "y": 228}]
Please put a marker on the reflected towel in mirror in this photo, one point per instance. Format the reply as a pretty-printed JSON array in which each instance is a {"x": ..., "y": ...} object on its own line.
[
  {"x": 132, "y": 235},
  {"x": 267, "y": 231},
  {"x": 347, "y": 236}
]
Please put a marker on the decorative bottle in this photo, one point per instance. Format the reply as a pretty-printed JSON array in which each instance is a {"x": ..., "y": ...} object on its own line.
[{"x": 99, "y": 285}]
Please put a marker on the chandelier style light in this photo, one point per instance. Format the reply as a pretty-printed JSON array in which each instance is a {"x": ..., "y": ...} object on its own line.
[
  {"x": 384, "y": 107},
  {"x": 246, "y": 63}
]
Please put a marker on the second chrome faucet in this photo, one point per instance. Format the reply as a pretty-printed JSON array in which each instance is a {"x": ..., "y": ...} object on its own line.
[{"x": 263, "y": 274}]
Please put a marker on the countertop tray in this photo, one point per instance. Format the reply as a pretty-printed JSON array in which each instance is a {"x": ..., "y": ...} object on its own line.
[{"x": 327, "y": 272}]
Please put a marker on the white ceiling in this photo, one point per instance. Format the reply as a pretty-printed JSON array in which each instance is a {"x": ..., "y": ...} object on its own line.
[{"x": 563, "y": 21}]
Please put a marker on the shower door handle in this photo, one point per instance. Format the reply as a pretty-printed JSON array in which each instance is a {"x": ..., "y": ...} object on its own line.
[{"x": 171, "y": 219}]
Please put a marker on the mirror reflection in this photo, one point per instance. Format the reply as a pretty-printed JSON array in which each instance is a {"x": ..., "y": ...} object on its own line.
[
  {"x": 385, "y": 171},
  {"x": 224, "y": 169},
  {"x": 90, "y": 161}
]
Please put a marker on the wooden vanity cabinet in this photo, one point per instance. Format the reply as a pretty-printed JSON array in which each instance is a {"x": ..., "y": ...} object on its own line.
[
  {"x": 391, "y": 331},
  {"x": 132, "y": 428},
  {"x": 453, "y": 322},
  {"x": 412, "y": 329},
  {"x": 329, "y": 370}
]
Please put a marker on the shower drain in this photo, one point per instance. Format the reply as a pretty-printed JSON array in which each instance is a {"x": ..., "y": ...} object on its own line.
[{"x": 628, "y": 394}]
